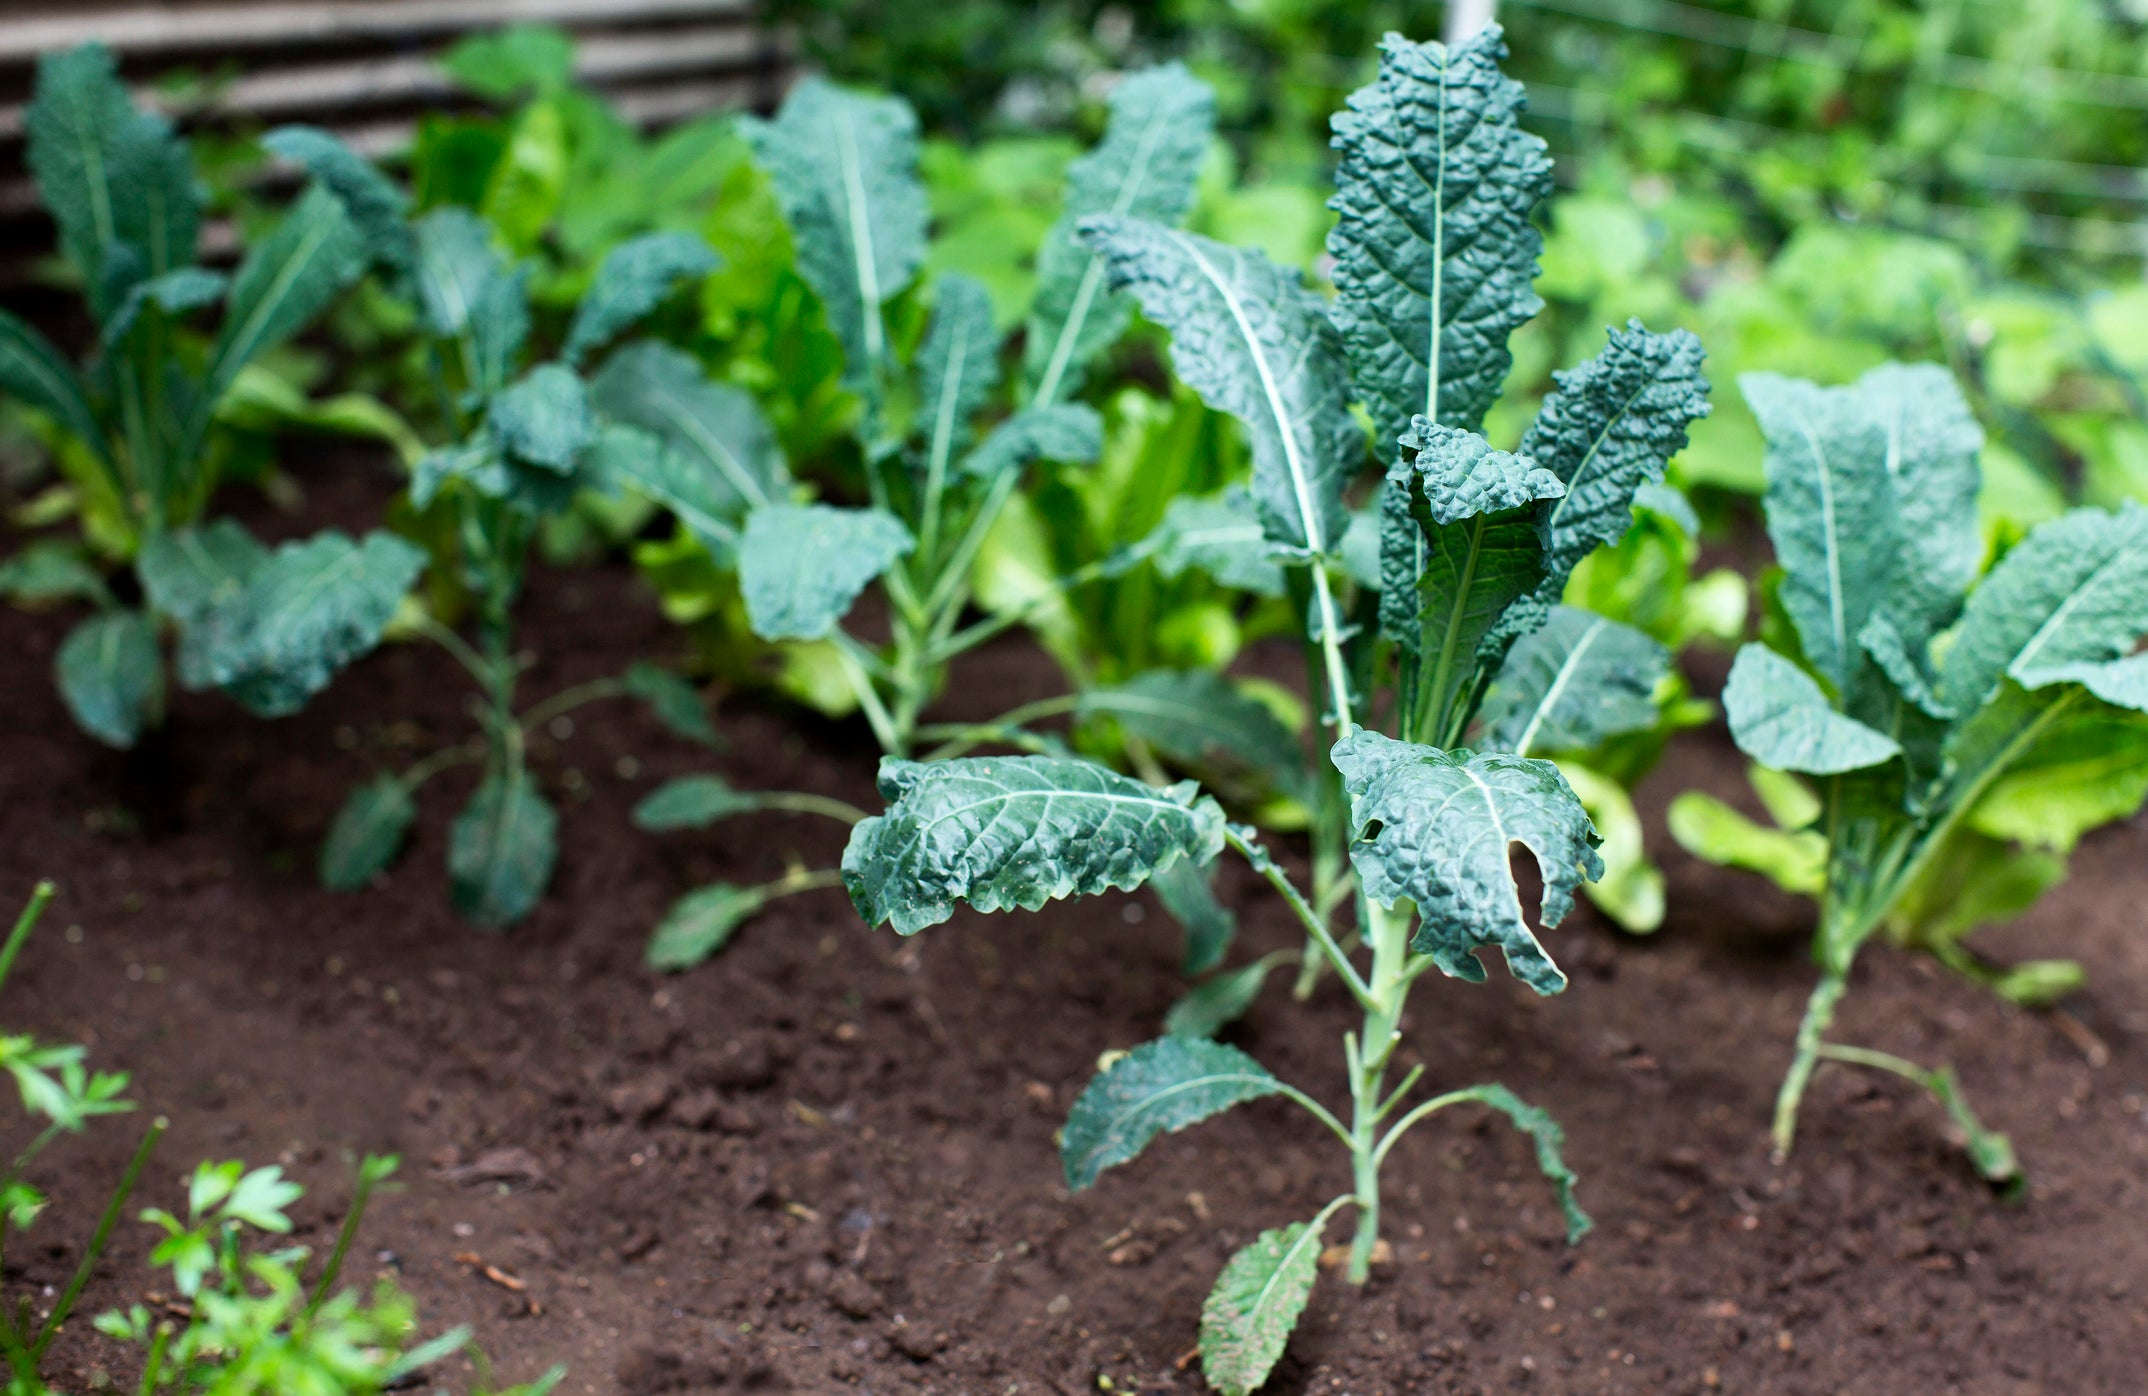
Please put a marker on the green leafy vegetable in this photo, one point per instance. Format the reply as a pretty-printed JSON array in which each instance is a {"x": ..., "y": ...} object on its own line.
[
  {"x": 1248, "y": 1317},
  {"x": 501, "y": 850},
  {"x": 1006, "y": 832},
  {"x": 1253, "y": 342},
  {"x": 306, "y": 610},
  {"x": 1157, "y": 1088},
  {"x": 367, "y": 834},
  {"x": 1161, "y": 123},
  {"x": 634, "y": 279},
  {"x": 1574, "y": 684},
  {"x": 1469, "y": 550},
  {"x": 844, "y": 167},
  {"x": 802, "y": 566},
  {"x": 1914, "y": 705},
  {"x": 529, "y": 440},
  {"x": 1184, "y": 890},
  {"x": 112, "y": 677},
  {"x": 140, "y": 422},
  {"x": 1781, "y": 719},
  {"x": 1436, "y": 827},
  {"x": 1434, "y": 251},
  {"x": 701, "y": 923}
]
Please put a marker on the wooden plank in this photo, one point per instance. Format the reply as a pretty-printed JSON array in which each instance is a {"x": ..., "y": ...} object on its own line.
[
  {"x": 222, "y": 29},
  {"x": 600, "y": 61}
]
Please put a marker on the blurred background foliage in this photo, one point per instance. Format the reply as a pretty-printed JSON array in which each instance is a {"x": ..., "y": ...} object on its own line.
[{"x": 1812, "y": 185}]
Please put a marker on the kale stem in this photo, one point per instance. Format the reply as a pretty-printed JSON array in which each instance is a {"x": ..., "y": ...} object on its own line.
[
  {"x": 1322, "y": 937},
  {"x": 963, "y": 736},
  {"x": 99, "y": 1239},
  {"x": 854, "y": 658},
  {"x": 1331, "y": 648},
  {"x": 568, "y": 699},
  {"x": 1989, "y": 1150},
  {"x": 1819, "y": 1015},
  {"x": 800, "y": 802},
  {"x": 454, "y": 644},
  {"x": 1390, "y": 927},
  {"x": 954, "y": 572},
  {"x": 1333, "y": 879},
  {"x": 968, "y": 639},
  {"x": 960, "y": 738}
]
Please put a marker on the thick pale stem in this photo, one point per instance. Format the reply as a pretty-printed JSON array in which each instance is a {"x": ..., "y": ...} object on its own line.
[
  {"x": 853, "y": 657},
  {"x": 1389, "y": 989},
  {"x": 1811, "y": 1035}
]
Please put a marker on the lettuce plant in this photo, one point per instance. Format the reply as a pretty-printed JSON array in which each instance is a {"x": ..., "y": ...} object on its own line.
[
  {"x": 1933, "y": 735},
  {"x": 531, "y": 437},
  {"x": 267, "y": 626},
  {"x": 1465, "y": 640},
  {"x": 844, "y": 171}
]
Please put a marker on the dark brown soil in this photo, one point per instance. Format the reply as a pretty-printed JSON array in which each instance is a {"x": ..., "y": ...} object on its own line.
[{"x": 825, "y": 1162}]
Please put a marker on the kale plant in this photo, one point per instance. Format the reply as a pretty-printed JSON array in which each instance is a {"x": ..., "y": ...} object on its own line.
[
  {"x": 267, "y": 626},
  {"x": 1452, "y": 583},
  {"x": 939, "y": 477},
  {"x": 1932, "y": 735},
  {"x": 530, "y": 438},
  {"x": 1464, "y": 641},
  {"x": 843, "y": 167}
]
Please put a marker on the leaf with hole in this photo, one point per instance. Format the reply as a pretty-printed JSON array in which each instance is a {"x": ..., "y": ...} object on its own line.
[{"x": 1437, "y": 827}]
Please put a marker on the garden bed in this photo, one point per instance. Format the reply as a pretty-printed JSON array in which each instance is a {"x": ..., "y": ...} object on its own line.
[{"x": 825, "y": 1160}]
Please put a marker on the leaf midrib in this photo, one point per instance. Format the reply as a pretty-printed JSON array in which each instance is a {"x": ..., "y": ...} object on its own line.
[
  {"x": 1093, "y": 270},
  {"x": 1301, "y": 486},
  {"x": 1556, "y": 690}
]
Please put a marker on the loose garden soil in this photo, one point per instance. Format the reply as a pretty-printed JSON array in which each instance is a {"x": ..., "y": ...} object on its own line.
[{"x": 825, "y": 1162}]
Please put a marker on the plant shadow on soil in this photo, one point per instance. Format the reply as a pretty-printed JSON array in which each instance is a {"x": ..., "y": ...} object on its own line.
[{"x": 825, "y": 1161}]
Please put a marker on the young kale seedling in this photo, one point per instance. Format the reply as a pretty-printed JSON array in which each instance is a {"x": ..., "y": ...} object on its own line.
[
  {"x": 1434, "y": 255},
  {"x": 267, "y": 626},
  {"x": 1940, "y": 719},
  {"x": 844, "y": 171},
  {"x": 527, "y": 445}
]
